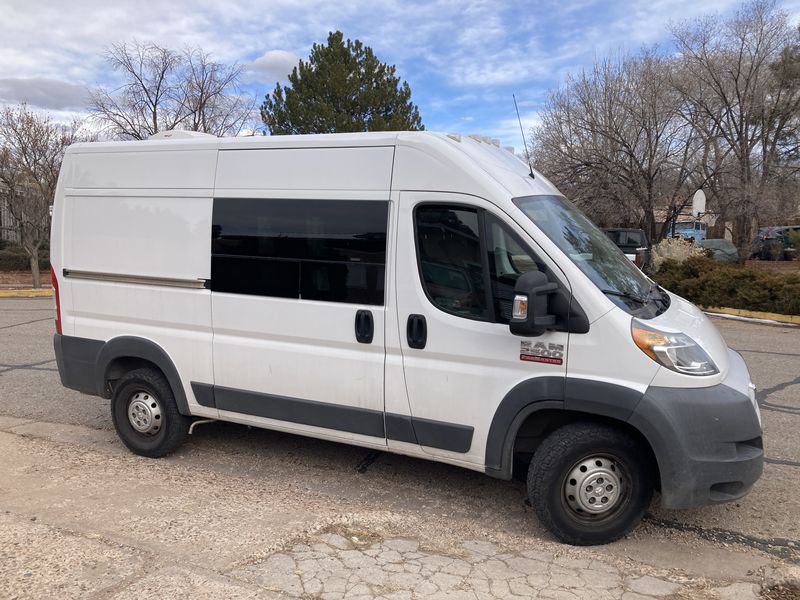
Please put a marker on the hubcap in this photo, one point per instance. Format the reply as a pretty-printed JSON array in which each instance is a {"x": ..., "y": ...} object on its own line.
[
  {"x": 144, "y": 413},
  {"x": 593, "y": 486}
]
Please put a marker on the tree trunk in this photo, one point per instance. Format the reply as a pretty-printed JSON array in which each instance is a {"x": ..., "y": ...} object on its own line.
[
  {"x": 37, "y": 278},
  {"x": 742, "y": 236},
  {"x": 652, "y": 234}
]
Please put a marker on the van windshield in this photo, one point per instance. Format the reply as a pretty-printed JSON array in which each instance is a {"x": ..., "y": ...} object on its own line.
[{"x": 593, "y": 252}]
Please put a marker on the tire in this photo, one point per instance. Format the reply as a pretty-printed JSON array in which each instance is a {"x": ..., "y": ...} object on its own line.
[
  {"x": 145, "y": 414},
  {"x": 580, "y": 456}
]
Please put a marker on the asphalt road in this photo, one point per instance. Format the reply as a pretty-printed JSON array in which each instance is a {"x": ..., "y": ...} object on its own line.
[{"x": 726, "y": 544}]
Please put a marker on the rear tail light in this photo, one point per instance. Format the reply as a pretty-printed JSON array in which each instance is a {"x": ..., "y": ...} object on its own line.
[
  {"x": 54, "y": 281},
  {"x": 638, "y": 260}
]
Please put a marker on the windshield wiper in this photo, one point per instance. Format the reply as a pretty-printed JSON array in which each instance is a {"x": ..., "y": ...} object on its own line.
[
  {"x": 641, "y": 301},
  {"x": 658, "y": 295}
]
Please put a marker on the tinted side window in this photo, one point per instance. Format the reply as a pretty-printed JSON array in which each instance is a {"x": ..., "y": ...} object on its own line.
[
  {"x": 449, "y": 249},
  {"x": 632, "y": 238},
  {"x": 508, "y": 259},
  {"x": 330, "y": 250}
]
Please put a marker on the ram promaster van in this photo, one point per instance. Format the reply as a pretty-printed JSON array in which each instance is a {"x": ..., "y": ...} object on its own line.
[{"x": 417, "y": 293}]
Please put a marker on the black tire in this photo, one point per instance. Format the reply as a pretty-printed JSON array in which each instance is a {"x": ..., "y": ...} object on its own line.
[
  {"x": 167, "y": 427},
  {"x": 598, "y": 457}
]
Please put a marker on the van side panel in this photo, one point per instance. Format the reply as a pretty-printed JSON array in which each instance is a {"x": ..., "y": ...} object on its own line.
[
  {"x": 133, "y": 260},
  {"x": 172, "y": 169},
  {"x": 306, "y": 169},
  {"x": 149, "y": 235}
]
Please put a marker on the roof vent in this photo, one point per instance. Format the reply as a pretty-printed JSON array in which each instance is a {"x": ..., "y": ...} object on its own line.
[
  {"x": 485, "y": 139},
  {"x": 179, "y": 134}
]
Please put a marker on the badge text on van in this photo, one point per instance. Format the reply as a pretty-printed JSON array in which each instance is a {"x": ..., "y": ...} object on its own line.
[{"x": 552, "y": 354}]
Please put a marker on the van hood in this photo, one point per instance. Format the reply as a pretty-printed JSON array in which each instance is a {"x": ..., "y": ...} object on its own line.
[{"x": 684, "y": 317}]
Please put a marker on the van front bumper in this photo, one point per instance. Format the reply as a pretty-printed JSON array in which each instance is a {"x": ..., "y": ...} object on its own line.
[{"x": 707, "y": 441}]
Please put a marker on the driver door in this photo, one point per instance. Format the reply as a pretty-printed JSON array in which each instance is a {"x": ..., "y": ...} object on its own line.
[{"x": 458, "y": 260}]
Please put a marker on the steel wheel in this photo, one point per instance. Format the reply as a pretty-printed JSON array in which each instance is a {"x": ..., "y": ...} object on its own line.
[
  {"x": 144, "y": 413},
  {"x": 596, "y": 487},
  {"x": 590, "y": 483}
]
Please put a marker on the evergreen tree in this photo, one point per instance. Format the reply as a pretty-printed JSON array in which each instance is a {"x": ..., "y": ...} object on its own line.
[{"x": 342, "y": 87}]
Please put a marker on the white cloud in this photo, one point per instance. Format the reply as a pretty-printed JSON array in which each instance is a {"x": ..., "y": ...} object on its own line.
[
  {"x": 43, "y": 92},
  {"x": 507, "y": 130},
  {"x": 461, "y": 57},
  {"x": 272, "y": 66}
]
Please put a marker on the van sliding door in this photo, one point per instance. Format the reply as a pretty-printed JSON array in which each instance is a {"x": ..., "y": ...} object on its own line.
[{"x": 298, "y": 313}]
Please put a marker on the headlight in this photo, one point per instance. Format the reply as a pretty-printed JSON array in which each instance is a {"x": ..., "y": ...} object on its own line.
[{"x": 676, "y": 351}]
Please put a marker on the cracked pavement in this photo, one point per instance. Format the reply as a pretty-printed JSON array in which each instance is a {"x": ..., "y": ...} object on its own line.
[
  {"x": 332, "y": 567},
  {"x": 247, "y": 513}
]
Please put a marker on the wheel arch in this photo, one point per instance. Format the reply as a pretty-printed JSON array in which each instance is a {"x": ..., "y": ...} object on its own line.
[
  {"x": 536, "y": 407},
  {"x": 122, "y": 354}
]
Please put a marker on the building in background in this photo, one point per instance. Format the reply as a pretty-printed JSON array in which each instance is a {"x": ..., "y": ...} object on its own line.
[{"x": 8, "y": 229}]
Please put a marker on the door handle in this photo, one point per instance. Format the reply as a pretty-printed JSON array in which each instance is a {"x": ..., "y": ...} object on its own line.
[
  {"x": 417, "y": 331},
  {"x": 365, "y": 326}
]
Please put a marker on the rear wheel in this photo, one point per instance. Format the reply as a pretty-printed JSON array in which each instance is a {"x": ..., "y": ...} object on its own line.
[
  {"x": 590, "y": 483},
  {"x": 145, "y": 414}
]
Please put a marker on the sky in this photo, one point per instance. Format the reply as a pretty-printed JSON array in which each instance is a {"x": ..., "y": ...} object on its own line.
[{"x": 462, "y": 58}]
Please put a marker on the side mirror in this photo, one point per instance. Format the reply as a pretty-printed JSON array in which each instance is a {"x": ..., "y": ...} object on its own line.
[{"x": 530, "y": 316}]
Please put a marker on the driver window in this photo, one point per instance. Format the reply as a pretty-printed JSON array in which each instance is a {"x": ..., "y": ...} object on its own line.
[
  {"x": 449, "y": 246},
  {"x": 508, "y": 259},
  {"x": 456, "y": 247}
]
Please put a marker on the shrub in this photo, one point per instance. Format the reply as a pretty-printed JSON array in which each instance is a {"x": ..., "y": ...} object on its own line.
[
  {"x": 13, "y": 258},
  {"x": 703, "y": 281},
  {"x": 793, "y": 240},
  {"x": 675, "y": 250}
]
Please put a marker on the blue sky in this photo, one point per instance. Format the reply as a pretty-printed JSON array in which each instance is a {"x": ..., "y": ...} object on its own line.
[{"x": 463, "y": 59}]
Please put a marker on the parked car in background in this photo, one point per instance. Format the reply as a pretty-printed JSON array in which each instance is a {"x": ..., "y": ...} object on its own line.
[
  {"x": 694, "y": 230},
  {"x": 776, "y": 243},
  {"x": 721, "y": 250},
  {"x": 633, "y": 242}
]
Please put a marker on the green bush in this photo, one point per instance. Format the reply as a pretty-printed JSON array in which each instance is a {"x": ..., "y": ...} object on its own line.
[
  {"x": 793, "y": 240},
  {"x": 703, "y": 281},
  {"x": 13, "y": 258}
]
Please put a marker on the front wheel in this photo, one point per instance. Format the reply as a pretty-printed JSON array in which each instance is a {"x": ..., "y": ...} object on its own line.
[{"x": 590, "y": 484}]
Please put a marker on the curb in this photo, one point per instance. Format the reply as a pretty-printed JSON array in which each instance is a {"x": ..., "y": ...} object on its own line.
[
  {"x": 753, "y": 314},
  {"x": 27, "y": 293}
]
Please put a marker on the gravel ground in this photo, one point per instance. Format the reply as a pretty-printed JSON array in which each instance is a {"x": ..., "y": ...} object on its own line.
[{"x": 246, "y": 513}]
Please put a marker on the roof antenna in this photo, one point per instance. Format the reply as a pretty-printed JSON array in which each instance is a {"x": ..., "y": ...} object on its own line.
[{"x": 524, "y": 143}]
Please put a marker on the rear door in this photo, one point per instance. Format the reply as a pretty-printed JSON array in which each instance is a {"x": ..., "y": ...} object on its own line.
[
  {"x": 458, "y": 260},
  {"x": 297, "y": 280}
]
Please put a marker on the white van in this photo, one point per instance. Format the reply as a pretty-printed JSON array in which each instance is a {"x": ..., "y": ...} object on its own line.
[{"x": 418, "y": 293}]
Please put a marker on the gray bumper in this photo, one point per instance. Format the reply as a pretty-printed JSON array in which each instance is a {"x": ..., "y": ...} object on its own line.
[
  {"x": 707, "y": 441},
  {"x": 76, "y": 359}
]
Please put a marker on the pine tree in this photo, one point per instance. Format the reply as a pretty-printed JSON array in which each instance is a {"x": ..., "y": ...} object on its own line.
[{"x": 343, "y": 87}]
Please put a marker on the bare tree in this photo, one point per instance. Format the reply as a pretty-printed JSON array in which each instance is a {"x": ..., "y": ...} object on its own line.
[
  {"x": 163, "y": 89},
  {"x": 748, "y": 106},
  {"x": 31, "y": 150},
  {"x": 617, "y": 138},
  {"x": 214, "y": 100}
]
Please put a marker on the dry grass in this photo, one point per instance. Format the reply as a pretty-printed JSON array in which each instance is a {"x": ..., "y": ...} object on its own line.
[
  {"x": 777, "y": 266},
  {"x": 787, "y": 591},
  {"x": 21, "y": 279}
]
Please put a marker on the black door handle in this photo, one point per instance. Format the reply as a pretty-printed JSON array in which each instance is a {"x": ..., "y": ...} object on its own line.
[
  {"x": 417, "y": 331},
  {"x": 365, "y": 326}
]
